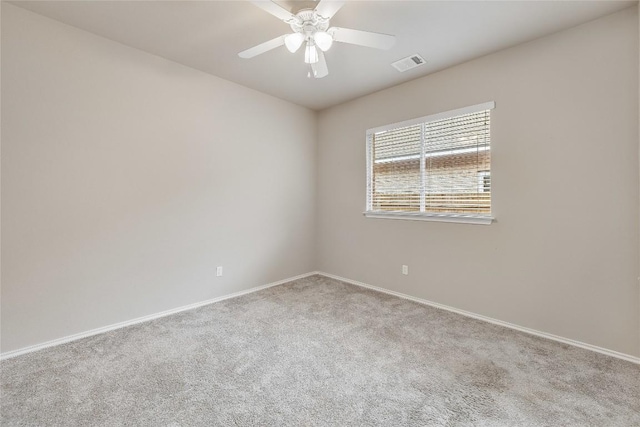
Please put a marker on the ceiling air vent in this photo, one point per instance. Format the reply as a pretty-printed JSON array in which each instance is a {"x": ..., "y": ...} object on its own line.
[{"x": 408, "y": 63}]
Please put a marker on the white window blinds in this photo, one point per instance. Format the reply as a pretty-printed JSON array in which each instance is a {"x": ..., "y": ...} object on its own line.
[{"x": 439, "y": 164}]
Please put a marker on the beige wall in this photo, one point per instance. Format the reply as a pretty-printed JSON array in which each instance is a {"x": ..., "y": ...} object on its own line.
[
  {"x": 563, "y": 255},
  {"x": 127, "y": 178}
]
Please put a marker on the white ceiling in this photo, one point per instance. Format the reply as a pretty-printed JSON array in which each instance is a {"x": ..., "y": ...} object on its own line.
[{"x": 207, "y": 35}]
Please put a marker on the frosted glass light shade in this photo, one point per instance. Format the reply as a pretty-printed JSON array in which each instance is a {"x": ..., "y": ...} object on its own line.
[
  {"x": 323, "y": 40},
  {"x": 310, "y": 54},
  {"x": 293, "y": 41}
]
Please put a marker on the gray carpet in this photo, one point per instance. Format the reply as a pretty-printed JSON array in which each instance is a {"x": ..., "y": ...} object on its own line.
[{"x": 318, "y": 352}]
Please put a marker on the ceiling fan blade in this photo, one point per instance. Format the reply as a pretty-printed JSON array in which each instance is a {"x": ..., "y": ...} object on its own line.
[
  {"x": 328, "y": 8},
  {"x": 262, "y": 48},
  {"x": 319, "y": 68},
  {"x": 275, "y": 10},
  {"x": 362, "y": 38}
]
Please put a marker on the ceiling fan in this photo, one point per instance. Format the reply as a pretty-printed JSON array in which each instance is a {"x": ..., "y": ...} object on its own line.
[{"x": 311, "y": 27}]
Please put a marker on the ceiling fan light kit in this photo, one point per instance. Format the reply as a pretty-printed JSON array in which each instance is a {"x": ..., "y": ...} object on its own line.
[
  {"x": 323, "y": 40},
  {"x": 311, "y": 54},
  {"x": 293, "y": 41},
  {"x": 311, "y": 26}
]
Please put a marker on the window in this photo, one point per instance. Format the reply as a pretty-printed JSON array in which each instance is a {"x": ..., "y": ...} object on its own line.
[{"x": 436, "y": 167}]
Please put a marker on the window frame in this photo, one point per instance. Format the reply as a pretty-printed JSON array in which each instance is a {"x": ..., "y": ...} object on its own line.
[{"x": 484, "y": 219}]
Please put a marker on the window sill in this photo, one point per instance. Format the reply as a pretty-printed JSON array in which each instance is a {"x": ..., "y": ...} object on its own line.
[{"x": 421, "y": 216}]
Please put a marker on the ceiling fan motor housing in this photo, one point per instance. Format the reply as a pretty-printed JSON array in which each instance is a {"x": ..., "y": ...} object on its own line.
[{"x": 308, "y": 22}]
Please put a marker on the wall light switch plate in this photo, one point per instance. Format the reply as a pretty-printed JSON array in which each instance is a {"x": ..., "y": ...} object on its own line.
[
  {"x": 219, "y": 271},
  {"x": 405, "y": 270}
]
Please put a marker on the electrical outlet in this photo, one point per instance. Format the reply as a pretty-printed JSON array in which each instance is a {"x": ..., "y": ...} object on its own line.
[
  {"x": 219, "y": 271},
  {"x": 405, "y": 270}
]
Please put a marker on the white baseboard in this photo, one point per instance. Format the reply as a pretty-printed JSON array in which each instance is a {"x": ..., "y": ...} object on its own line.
[
  {"x": 147, "y": 318},
  {"x": 563, "y": 340},
  {"x": 74, "y": 337}
]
